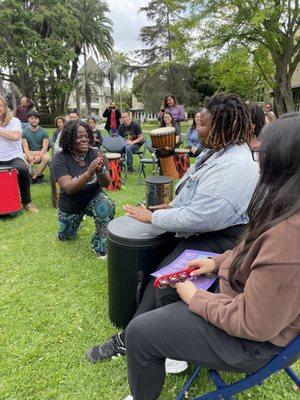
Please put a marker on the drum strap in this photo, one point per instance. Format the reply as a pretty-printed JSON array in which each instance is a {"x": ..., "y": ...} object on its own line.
[{"x": 198, "y": 165}]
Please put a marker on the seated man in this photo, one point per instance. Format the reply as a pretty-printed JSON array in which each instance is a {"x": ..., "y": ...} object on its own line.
[
  {"x": 35, "y": 146},
  {"x": 132, "y": 132}
]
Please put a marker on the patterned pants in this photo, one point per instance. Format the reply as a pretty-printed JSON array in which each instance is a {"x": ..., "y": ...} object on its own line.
[{"x": 101, "y": 208}]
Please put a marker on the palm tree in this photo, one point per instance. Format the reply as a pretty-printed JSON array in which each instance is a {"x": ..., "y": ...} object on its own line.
[
  {"x": 117, "y": 69},
  {"x": 95, "y": 35},
  {"x": 94, "y": 79}
]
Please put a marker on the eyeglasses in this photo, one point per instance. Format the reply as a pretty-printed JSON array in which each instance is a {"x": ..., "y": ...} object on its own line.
[{"x": 255, "y": 155}]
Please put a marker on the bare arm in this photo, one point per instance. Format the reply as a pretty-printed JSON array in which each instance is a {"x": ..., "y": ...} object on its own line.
[
  {"x": 10, "y": 135},
  {"x": 45, "y": 146},
  {"x": 25, "y": 147},
  {"x": 139, "y": 139}
]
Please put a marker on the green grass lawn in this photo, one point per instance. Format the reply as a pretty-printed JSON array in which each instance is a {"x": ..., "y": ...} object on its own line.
[{"x": 54, "y": 306}]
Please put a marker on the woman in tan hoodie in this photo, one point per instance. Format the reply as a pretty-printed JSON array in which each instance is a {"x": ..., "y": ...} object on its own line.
[{"x": 256, "y": 312}]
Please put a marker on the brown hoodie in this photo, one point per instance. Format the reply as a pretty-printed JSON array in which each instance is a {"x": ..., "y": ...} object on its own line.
[{"x": 268, "y": 309}]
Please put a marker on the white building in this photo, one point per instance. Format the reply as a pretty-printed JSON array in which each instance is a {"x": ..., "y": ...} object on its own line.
[{"x": 139, "y": 113}]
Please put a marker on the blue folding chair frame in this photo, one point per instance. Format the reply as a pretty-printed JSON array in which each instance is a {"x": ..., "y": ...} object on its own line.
[{"x": 287, "y": 356}]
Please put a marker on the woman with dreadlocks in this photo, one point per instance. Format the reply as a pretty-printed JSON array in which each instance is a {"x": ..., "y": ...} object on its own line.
[
  {"x": 82, "y": 172},
  {"x": 209, "y": 210}
]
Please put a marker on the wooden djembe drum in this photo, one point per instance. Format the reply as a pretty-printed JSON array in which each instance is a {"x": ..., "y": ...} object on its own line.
[{"x": 164, "y": 142}]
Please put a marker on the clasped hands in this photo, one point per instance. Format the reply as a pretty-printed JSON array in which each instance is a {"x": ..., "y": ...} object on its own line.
[{"x": 96, "y": 166}]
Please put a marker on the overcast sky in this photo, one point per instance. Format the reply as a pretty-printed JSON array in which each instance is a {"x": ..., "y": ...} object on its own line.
[{"x": 127, "y": 23}]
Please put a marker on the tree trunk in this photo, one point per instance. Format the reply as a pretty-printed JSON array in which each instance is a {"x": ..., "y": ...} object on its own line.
[
  {"x": 44, "y": 109},
  {"x": 112, "y": 89},
  {"x": 77, "y": 95},
  {"x": 87, "y": 88},
  {"x": 283, "y": 95}
]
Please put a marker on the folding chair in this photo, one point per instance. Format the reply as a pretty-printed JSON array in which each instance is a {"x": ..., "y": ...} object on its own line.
[
  {"x": 144, "y": 161},
  {"x": 286, "y": 357},
  {"x": 116, "y": 144}
]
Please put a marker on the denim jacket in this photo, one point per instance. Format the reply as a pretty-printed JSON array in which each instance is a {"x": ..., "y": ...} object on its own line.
[{"x": 215, "y": 196}]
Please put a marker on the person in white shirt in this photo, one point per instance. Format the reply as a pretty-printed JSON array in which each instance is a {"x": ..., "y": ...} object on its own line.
[{"x": 11, "y": 153}]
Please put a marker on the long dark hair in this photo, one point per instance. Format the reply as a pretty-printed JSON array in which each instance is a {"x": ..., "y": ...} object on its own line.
[
  {"x": 277, "y": 195},
  {"x": 69, "y": 134},
  {"x": 257, "y": 118},
  {"x": 165, "y": 104},
  {"x": 231, "y": 121}
]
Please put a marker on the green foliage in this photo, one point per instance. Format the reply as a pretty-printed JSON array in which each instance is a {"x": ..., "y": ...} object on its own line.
[
  {"x": 190, "y": 84},
  {"x": 235, "y": 73},
  {"x": 162, "y": 37},
  {"x": 41, "y": 41},
  {"x": 271, "y": 24},
  {"x": 30, "y": 40}
]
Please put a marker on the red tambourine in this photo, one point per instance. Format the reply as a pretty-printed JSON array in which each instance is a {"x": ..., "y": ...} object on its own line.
[{"x": 171, "y": 279}]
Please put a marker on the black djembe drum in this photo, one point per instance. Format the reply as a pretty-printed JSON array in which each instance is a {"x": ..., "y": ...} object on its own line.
[{"x": 135, "y": 250}]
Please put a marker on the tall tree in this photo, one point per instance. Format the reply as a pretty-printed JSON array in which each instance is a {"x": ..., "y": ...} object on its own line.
[
  {"x": 160, "y": 37},
  {"x": 95, "y": 35},
  {"x": 34, "y": 42},
  {"x": 273, "y": 24},
  {"x": 117, "y": 69}
]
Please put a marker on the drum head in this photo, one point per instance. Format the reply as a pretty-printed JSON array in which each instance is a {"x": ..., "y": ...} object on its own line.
[
  {"x": 7, "y": 168},
  {"x": 129, "y": 231},
  {"x": 113, "y": 156},
  {"x": 158, "y": 179},
  {"x": 163, "y": 131}
]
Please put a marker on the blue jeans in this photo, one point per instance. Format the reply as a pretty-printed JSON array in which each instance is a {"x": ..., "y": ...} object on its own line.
[
  {"x": 101, "y": 208},
  {"x": 130, "y": 149}
]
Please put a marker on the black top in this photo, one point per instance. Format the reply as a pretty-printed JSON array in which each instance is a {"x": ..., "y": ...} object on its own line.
[
  {"x": 98, "y": 135},
  {"x": 107, "y": 114},
  {"x": 64, "y": 164},
  {"x": 130, "y": 132}
]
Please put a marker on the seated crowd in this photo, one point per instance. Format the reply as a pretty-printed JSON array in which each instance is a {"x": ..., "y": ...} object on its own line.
[{"x": 239, "y": 199}]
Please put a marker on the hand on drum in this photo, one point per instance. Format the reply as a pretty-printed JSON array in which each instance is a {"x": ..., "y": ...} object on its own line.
[
  {"x": 186, "y": 290},
  {"x": 138, "y": 213}
]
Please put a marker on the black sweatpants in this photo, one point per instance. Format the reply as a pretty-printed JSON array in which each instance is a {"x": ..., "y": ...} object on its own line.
[
  {"x": 175, "y": 332},
  {"x": 23, "y": 178}
]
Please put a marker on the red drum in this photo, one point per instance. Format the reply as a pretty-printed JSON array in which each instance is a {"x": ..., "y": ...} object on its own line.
[
  {"x": 9, "y": 191},
  {"x": 182, "y": 161},
  {"x": 114, "y": 161}
]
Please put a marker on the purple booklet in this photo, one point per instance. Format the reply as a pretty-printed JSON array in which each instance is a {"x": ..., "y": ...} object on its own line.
[{"x": 201, "y": 282}]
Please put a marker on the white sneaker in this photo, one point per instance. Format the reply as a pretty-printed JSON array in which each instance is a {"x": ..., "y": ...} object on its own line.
[
  {"x": 128, "y": 398},
  {"x": 175, "y": 366}
]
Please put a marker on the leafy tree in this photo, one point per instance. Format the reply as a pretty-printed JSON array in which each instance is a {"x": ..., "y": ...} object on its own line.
[
  {"x": 236, "y": 72},
  {"x": 95, "y": 30},
  {"x": 201, "y": 81},
  {"x": 34, "y": 42},
  {"x": 162, "y": 38},
  {"x": 273, "y": 24}
]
